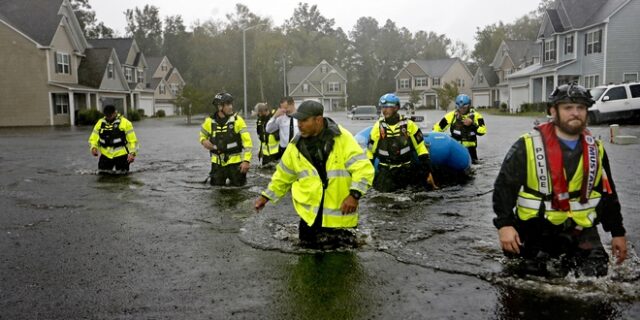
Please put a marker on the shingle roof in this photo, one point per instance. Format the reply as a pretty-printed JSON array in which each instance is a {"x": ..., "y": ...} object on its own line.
[
  {"x": 298, "y": 73},
  {"x": 38, "y": 19},
  {"x": 436, "y": 67},
  {"x": 575, "y": 14},
  {"x": 93, "y": 66},
  {"x": 121, "y": 45},
  {"x": 153, "y": 63},
  {"x": 521, "y": 51},
  {"x": 489, "y": 75}
]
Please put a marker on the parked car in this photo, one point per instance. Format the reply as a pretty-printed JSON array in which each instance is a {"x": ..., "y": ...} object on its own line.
[
  {"x": 363, "y": 113},
  {"x": 615, "y": 102}
]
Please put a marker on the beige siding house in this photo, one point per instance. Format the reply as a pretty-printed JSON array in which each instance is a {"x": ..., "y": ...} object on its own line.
[
  {"x": 426, "y": 75},
  {"x": 324, "y": 83},
  {"x": 166, "y": 82}
]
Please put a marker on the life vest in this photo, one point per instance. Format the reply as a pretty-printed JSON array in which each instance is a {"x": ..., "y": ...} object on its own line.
[
  {"x": 461, "y": 132},
  {"x": 110, "y": 134},
  {"x": 224, "y": 138},
  {"x": 535, "y": 199},
  {"x": 269, "y": 142},
  {"x": 394, "y": 146}
]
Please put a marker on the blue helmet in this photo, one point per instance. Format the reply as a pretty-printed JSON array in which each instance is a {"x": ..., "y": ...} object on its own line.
[
  {"x": 389, "y": 100},
  {"x": 462, "y": 100}
]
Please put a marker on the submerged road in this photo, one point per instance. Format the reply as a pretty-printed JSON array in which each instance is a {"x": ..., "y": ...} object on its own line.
[{"x": 160, "y": 244}]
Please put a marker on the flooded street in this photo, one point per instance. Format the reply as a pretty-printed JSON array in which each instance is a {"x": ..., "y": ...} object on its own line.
[{"x": 161, "y": 244}]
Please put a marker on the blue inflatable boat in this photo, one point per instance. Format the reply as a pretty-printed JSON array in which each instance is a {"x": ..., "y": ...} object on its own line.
[{"x": 446, "y": 153}]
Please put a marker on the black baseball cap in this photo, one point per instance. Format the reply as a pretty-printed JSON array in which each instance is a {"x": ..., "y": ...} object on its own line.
[{"x": 308, "y": 109}]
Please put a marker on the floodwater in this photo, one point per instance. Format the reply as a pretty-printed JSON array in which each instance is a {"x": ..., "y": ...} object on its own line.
[{"x": 161, "y": 244}]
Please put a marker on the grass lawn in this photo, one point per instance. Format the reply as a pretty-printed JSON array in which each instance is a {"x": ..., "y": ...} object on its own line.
[{"x": 498, "y": 112}]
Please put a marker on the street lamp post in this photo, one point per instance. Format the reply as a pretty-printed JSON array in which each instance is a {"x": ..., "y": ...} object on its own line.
[{"x": 244, "y": 63}]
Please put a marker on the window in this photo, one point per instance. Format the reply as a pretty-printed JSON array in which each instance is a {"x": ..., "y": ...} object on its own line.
[
  {"x": 549, "y": 50},
  {"x": 404, "y": 84},
  {"x": 140, "y": 76},
  {"x": 568, "y": 44},
  {"x": 630, "y": 77},
  {"x": 333, "y": 87},
  {"x": 162, "y": 89},
  {"x": 63, "y": 63},
  {"x": 110, "y": 70},
  {"x": 421, "y": 82},
  {"x": 616, "y": 93},
  {"x": 635, "y": 90},
  {"x": 592, "y": 42},
  {"x": 128, "y": 74},
  {"x": 436, "y": 81},
  {"x": 305, "y": 87},
  {"x": 323, "y": 69},
  {"x": 591, "y": 81},
  {"x": 163, "y": 67},
  {"x": 174, "y": 88},
  {"x": 60, "y": 103},
  {"x": 481, "y": 78},
  {"x": 460, "y": 82}
]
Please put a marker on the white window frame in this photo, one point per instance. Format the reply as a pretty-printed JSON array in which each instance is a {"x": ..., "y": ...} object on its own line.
[
  {"x": 624, "y": 75},
  {"x": 128, "y": 74},
  {"x": 421, "y": 81},
  {"x": 569, "y": 46},
  {"x": 323, "y": 69},
  {"x": 163, "y": 67},
  {"x": 174, "y": 88},
  {"x": 333, "y": 86},
  {"x": 140, "y": 75},
  {"x": 460, "y": 82},
  {"x": 60, "y": 103},
  {"x": 305, "y": 87},
  {"x": 162, "y": 89},
  {"x": 550, "y": 50},
  {"x": 593, "y": 39},
  {"x": 110, "y": 70},
  {"x": 481, "y": 78},
  {"x": 436, "y": 81},
  {"x": 63, "y": 63},
  {"x": 404, "y": 83},
  {"x": 591, "y": 80}
]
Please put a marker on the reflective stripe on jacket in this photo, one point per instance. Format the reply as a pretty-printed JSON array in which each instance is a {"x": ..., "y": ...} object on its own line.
[
  {"x": 538, "y": 187},
  {"x": 467, "y": 135},
  {"x": 269, "y": 142},
  {"x": 347, "y": 168},
  {"x": 114, "y": 139},
  {"x": 393, "y": 144},
  {"x": 231, "y": 140}
]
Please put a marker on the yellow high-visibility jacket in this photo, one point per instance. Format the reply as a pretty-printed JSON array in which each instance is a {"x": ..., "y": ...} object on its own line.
[
  {"x": 467, "y": 135},
  {"x": 347, "y": 168},
  {"x": 231, "y": 140},
  {"x": 114, "y": 139},
  {"x": 402, "y": 137}
]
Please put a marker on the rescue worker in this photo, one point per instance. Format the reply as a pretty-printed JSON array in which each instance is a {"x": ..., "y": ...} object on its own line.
[
  {"x": 115, "y": 141},
  {"x": 559, "y": 181},
  {"x": 225, "y": 135},
  {"x": 395, "y": 140},
  {"x": 269, "y": 142},
  {"x": 327, "y": 173},
  {"x": 465, "y": 124},
  {"x": 282, "y": 122}
]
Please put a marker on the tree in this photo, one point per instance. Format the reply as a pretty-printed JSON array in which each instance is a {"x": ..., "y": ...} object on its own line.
[
  {"x": 90, "y": 26},
  {"x": 146, "y": 28},
  {"x": 429, "y": 45},
  {"x": 447, "y": 94},
  {"x": 175, "y": 42},
  {"x": 414, "y": 97}
]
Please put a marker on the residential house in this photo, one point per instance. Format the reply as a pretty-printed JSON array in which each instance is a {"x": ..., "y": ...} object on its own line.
[
  {"x": 324, "y": 83},
  {"x": 100, "y": 70},
  {"x": 166, "y": 82},
  {"x": 490, "y": 86},
  {"x": 42, "y": 47},
  {"x": 134, "y": 67},
  {"x": 424, "y": 76},
  {"x": 592, "y": 42}
]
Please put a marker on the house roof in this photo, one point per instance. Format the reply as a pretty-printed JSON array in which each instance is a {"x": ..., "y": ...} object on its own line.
[
  {"x": 537, "y": 69},
  {"x": 93, "y": 66},
  {"x": 153, "y": 83},
  {"x": 489, "y": 75},
  {"x": 153, "y": 63},
  {"x": 298, "y": 73},
  {"x": 121, "y": 45},
  {"x": 436, "y": 67},
  {"x": 521, "y": 51},
  {"x": 38, "y": 19},
  {"x": 566, "y": 15}
]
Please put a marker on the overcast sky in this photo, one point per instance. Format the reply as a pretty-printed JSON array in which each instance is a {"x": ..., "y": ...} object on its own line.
[{"x": 457, "y": 19}]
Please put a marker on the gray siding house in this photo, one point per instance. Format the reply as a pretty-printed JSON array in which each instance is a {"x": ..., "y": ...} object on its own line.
[
  {"x": 592, "y": 42},
  {"x": 324, "y": 83}
]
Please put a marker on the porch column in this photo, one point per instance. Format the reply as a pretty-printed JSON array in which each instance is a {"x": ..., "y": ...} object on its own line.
[
  {"x": 72, "y": 109},
  {"x": 88, "y": 100},
  {"x": 544, "y": 88}
]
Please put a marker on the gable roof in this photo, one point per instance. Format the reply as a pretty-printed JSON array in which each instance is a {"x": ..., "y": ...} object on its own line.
[
  {"x": 565, "y": 15},
  {"x": 489, "y": 75},
  {"x": 121, "y": 45},
  {"x": 521, "y": 51},
  {"x": 153, "y": 63},
  {"x": 93, "y": 66},
  {"x": 436, "y": 67},
  {"x": 298, "y": 73},
  {"x": 38, "y": 19}
]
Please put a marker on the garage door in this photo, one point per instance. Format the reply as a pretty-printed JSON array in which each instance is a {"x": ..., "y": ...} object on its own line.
[
  {"x": 480, "y": 100},
  {"x": 168, "y": 108},
  {"x": 146, "y": 104},
  {"x": 519, "y": 95}
]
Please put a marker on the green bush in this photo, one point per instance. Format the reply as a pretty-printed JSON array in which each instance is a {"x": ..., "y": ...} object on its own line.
[
  {"x": 141, "y": 113},
  {"x": 504, "y": 107},
  {"x": 89, "y": 117},
  {"x": 533, "y": 107},
  {"x": 160, "y": 114},
  {"x": 134, "y": 116}
]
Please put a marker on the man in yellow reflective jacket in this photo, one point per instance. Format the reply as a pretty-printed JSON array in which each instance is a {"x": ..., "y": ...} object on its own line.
[
  {"x": 465, "y": 124},
  {"x": 327, "y": 173},
  {"x": 559, "y": 181},
  {"x": 269, "y": 142},
  {"x": 115, "y": 141},
  {"x": 396, "y": 141},
  {"x": 225, "y": 135}
]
